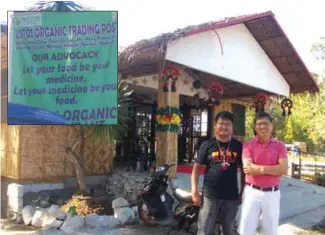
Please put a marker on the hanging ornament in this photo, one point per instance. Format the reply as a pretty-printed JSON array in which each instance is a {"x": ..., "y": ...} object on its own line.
[
  {"x": 216, "y": 87},
  {"x": 197, "y": 84},
  {"x": 165, "y": 86},
  {"x": 170, "y": 73},
  {"x": 260, "y": 96},
  {"x": 215, "y": 91},
  {"x": 260, "y": 101},
  {"x": 173, "y": 87},
  {"x": 286, "y": 106}
]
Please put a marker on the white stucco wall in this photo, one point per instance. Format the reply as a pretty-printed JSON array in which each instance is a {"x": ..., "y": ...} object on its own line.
[{"x": 243, "y": 60}]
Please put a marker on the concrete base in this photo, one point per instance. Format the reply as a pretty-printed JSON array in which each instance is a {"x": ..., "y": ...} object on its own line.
[
  {"x": 12, "y": 193},
  {"x": 71, "y": 182}
]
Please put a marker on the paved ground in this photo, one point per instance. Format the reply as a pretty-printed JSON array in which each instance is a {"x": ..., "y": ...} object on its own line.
[
  {"x": 297, "y": 197},
  {"x": 302, "y": 205},
  {"x": 9, "y": 228}
]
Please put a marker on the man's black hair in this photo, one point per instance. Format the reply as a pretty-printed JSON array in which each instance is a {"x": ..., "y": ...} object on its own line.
[
  {"x": 225, "y": 115},
  {"x": 261, "y": 115}
]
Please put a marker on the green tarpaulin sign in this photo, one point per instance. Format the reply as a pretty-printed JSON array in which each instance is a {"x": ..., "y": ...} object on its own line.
[{"x": 65, "y": 63}]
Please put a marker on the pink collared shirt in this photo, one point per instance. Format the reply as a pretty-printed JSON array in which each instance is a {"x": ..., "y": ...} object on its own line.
[{"x": 264, "y": 154}]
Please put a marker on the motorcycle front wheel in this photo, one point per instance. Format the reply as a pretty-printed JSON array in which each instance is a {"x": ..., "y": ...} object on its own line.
[{"x": 145, "y": 215}]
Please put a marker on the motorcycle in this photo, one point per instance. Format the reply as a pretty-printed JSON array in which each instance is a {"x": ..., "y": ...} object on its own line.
[{"x": 159, "y": 204}]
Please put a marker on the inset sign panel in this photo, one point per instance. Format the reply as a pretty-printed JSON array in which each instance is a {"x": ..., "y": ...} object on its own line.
[{"x": 63, "y": 68}]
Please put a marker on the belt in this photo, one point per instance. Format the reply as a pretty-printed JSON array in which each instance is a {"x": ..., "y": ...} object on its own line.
[{"x": 264, "y": 189}]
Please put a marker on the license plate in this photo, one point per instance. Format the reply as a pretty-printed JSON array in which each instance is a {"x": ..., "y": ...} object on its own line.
[{"x": 162, "y": 198}]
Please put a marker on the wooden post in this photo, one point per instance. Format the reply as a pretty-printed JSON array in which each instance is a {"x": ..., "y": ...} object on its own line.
[
  {"x": 293, "y": 169},
  {"x": 167, "y": 135},
  {"x": 300, "y": 166}
]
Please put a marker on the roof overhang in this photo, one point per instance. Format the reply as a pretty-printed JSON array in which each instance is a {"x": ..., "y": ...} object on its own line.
[{"x": 146, "y": 56}]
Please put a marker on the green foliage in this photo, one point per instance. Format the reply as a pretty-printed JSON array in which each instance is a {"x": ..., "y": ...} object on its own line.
[
  {"x": 72, "y": 210},
  {"x": 307, "y": 122},
  {"x": 318, "y": 49},
  {"x": 249, "y": 123}
]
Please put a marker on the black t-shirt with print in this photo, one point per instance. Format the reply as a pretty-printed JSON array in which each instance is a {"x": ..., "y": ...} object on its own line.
[{"x": 218, "y": 183}]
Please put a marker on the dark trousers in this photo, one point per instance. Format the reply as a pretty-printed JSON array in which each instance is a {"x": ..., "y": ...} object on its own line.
[{"x": 212, "y": 210}]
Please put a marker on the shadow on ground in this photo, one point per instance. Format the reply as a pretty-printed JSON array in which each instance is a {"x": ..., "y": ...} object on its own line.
[{"x": 11, "y": 228}]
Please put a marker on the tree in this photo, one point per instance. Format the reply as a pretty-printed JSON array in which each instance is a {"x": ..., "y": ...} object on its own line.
[
  {"x": 249, "y": 123},
  {"x": 102, "y": 132},
  {"x": 85, "y": 133},
  {"x": 307, "y": 122}
]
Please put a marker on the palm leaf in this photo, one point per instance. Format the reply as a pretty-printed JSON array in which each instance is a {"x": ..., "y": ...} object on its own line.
[{"x": 57, "y": 6}]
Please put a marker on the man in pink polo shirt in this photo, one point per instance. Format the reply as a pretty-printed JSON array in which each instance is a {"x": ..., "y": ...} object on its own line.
[{"x": 265, "y": 161}]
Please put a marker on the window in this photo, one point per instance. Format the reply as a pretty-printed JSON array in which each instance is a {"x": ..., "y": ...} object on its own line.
[{"x": 239, "y": 112}]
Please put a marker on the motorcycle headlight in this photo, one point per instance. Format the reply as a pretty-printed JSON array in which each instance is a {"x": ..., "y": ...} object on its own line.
[{"x": 160, "y": 168}]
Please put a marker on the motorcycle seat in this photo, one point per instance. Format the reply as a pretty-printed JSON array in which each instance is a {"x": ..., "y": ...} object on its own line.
[{"x": 183, "y": 195}]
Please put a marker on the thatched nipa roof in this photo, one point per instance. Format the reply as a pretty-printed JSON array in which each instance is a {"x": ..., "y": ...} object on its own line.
[{"x": 146, "y": 56}]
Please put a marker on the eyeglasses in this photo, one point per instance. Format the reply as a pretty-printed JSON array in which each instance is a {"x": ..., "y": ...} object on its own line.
[
  {"x": 225, "y": 124},
  {"x": 263, "y": 123}
]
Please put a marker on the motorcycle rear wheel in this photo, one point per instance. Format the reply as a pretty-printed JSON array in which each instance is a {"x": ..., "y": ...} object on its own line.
[{"x": 145, "y": 215}]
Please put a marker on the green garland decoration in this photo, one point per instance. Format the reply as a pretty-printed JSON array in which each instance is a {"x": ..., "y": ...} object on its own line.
[
  {"x": 167, "y": 128},
  {"x": 168, "y": 110}
]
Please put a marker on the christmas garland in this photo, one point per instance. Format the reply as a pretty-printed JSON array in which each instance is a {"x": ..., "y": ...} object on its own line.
[{"x": 168, "y": 119}]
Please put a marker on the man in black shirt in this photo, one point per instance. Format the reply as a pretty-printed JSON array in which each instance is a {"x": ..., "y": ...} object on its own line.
[{"x": 222, "y": 157}]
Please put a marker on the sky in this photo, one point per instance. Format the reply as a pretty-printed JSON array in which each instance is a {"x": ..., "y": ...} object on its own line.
[{"x": 302, "y": 20}]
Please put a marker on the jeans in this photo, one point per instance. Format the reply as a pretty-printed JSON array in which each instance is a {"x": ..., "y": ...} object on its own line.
[{"x": 210, "y": 212}]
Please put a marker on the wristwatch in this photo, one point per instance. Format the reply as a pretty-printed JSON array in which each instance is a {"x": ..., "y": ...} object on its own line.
[{"x": 262, "y": 170}]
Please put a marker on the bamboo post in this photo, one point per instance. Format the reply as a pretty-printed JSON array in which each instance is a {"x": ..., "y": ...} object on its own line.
[{"x": 167, "y": 135}]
